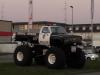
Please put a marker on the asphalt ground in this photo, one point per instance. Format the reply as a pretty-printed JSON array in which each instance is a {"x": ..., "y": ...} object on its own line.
[
  {"x": 6, "y": 58},
  {"x": 95, "y": 73}
]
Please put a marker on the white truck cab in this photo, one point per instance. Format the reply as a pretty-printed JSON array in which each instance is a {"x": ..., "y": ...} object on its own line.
[{"x": 46, "y": 31}]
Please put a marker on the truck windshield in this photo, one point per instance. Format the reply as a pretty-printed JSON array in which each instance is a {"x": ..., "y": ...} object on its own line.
[{"x": 58, "y": 30}]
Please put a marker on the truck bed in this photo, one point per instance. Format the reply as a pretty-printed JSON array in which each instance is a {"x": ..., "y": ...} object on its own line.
[{"x": 27, "y": 38}]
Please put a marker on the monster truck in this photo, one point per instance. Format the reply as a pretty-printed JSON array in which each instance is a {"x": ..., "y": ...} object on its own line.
[{"x": 52, "y": 46}]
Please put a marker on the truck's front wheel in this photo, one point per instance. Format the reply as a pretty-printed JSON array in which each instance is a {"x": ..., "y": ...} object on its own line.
[
  {"x": 23, "y": 55},
  {"x": 55, "y": 58}
]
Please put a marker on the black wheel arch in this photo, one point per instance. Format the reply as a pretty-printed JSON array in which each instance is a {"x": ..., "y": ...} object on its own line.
[{"x": 57, "y": 41}]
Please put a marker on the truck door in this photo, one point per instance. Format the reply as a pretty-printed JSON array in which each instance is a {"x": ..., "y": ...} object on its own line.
[{"x": 44, "y": 36}]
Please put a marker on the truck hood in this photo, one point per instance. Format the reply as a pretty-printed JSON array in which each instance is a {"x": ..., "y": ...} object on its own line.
[{"x": 69, "y": 39}]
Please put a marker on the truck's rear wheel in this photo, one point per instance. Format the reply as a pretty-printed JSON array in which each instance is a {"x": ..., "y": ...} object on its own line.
[
  {"x": 55, "y": 58},
  {"x": 76, "y": 60},
  {"x": 23, "y": 55}
]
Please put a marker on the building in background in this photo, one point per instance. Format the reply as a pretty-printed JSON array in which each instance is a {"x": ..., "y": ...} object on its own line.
[
  {"x": 7, "y": 28},
  {"x": 83, "y": 30},
  {"x": 22, "y": 26},
  {"x": 5, "y": 31}
]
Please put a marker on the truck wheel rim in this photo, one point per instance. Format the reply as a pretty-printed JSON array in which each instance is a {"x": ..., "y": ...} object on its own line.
[
  {"x": 51, "y": 58},
  {"x": 20, "y": 56}
]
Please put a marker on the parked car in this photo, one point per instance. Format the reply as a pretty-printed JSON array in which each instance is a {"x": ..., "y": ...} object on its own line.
[{"x": 90, "y": 55}]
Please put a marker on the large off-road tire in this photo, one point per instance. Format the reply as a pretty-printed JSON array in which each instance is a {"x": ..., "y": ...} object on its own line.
[
  {"x": 76, "y": 59},
  {"x": 23, "y": 55},
  {"x": 55, "y": 58}
]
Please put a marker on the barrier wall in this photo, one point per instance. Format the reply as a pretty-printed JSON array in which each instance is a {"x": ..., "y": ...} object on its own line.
[{"x": 7, "y": 47}]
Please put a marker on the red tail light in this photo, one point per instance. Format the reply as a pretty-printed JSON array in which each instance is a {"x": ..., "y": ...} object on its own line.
[{"x": 6, "y": 33}]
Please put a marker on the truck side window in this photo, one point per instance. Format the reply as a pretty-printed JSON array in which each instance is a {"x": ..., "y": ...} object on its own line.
[{"x": 45, "y": 30}]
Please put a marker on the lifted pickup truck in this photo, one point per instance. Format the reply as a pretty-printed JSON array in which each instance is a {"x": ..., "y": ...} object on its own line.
[{"x": 52, "y": 46}]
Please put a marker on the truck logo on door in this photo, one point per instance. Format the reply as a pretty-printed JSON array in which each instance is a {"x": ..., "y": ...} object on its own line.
[{"x": 43, "y": 36}]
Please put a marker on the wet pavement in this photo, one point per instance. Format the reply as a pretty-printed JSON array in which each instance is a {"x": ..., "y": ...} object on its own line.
[
  {"x": 5, "y": 58},
  {"x": 95, "y": 73}
]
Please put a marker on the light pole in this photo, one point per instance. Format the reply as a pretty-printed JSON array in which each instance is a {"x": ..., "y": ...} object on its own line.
[
  {"x": 65, "y": 12},
  {"x": 92, "y": 17},
  {"x": 30, "y": 16},
  {"x": 72, "y": 17},
  {"x": 65, "y": 16}
]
